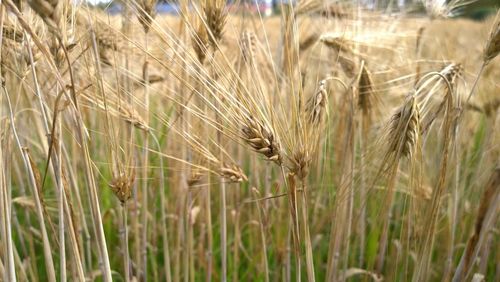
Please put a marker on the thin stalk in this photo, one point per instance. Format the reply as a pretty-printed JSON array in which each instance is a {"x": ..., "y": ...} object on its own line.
[
  {"x": 208, "y": 218},
  {"x": 47, "y": 250},
  {"x": 478, "y": 76},
  {"x": 386, "y": 214},
  {"x": 163, "y": 225},
  {"x": 60, "y": 195},
  {"x": 292, "y": 200},
  {"x": 422, "y": 269},
  {"x": 307, "y": 236},
  {"x": 145, "y": 158},
  {"x": 83, "y": 230},
  {"x": 5, "y": 208},
  {"x": 263, "y": 239},
  {"x": 92, "y": 189},
  {"x": 487, "y": 213},
  {"x": 237, "y": 233},
  {"x": 124, "y": 239},
  {"x": 5, "y": 194},
  {"x": 223, "y": 236},
  {"x": 454, "y": 201}
]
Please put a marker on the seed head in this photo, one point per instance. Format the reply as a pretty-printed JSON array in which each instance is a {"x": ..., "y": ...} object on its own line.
[
  {"x": 261, "y": 139},
  {"x": 232, "y": 173},
  {"x": 316, "y": 105},
  {"x": 493, "y": 45},
  {"x": 121, "y": 185},
  {"x": 405, "y": 128}
]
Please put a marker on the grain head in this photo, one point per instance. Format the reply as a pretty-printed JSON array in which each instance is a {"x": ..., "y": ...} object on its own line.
[
  {"x": 301, "y": 162},
  {"x": 215, "y": 17},
  {"x": 122, "y": 185},
  {"x": 232, "y": 173},
  {"x": 366, "y": 92},
  {"x": 405, "y": 128},
  {"x": 248, "y": 45},
  {"x": 261, "y": 139},
  {"x": 146, "y": 13},
  {"x": 200, "y": 42},
  {"x": 316, "y": 105},
  {"x": 493, "y": 45}
]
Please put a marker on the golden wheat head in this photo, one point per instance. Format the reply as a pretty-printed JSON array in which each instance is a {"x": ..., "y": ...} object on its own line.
[{"x": 261, "y": 139}]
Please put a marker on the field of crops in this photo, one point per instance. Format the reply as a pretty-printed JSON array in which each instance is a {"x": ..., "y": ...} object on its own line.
[{"x": 323, "y": 143}]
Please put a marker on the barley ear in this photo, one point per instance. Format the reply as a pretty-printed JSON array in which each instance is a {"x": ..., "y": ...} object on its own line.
[
  {"x": 147, "y": 12},
  {"x": 216, "y": 16},
  {"x": 405, "y": 129},
  {"x": 493, "y": 46},
  {"x": 261, "y": 139},
  {"x": 200, "y": 42},
  {"x": 121, "y": 185}
]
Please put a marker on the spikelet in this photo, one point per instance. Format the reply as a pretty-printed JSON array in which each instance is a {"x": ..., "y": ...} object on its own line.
[
  {"x": 248, "y": 45},
  {"x": 10, "y": 31},
  {"x": 121, "y": 185},
  {"x": 146, "y": 13},
  {"x": 215, "y": 16},
  {"x": 194, "y": 178},
  {"x": 200, "y": 42},
  {"x": 131, "y": 116},
  {"x": 337, "y": 43},
  {"x": 261, "y": 139},
  {"x": 105, "y": 35},
  {"x": 315, "y": 106},
  {"x": 405, "y": 129},
  {"x": 491, "y": 107},
  {"x": 307, "y": 7},
  {"x": 15, "y": 56},
  {"x": 107, "y": 41},
  {"x": 51, "y": 13},
  {"x": 366, "y": 94},
  {"x": 309, "y": 41},
  {"x": 452, "y": 71},
  {"x": 232, "y": 173},
  {"x": 493, "y": 45},
  {"x": 301, "y": 162},
  {"x": 334, "y": 10}
]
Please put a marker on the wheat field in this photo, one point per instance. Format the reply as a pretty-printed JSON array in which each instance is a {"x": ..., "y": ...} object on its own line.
[{"x": 326, "y": 142}]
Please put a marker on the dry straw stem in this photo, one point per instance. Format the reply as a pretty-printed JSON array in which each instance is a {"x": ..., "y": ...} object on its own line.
[{"x": 5, "y": 219}]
